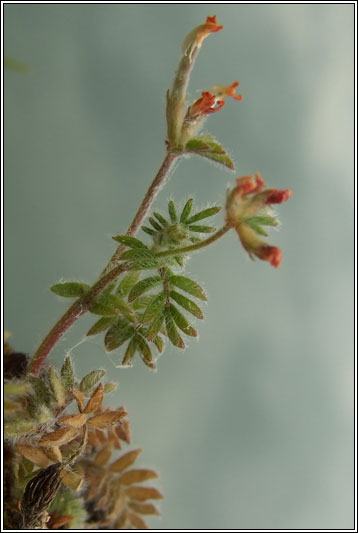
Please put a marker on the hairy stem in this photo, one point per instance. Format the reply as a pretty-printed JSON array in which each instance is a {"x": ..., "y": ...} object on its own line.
[
  {"x": 199, "y": 245},
  {"x": 109, "y": 275},
  {"x": 145, "y": 205}
]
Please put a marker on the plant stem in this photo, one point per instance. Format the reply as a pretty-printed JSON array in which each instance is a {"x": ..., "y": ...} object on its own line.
[
  {"x": 145, "y": 205},
  {"x": 110, "y": 274},
  {"x": 78, "y": 308},
  {"x": 199, "y": 245}
]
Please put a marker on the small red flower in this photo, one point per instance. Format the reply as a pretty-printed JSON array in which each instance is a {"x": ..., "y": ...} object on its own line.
[
  {"x": 222, "y": 91},
  {"x": 205, "y": 105},
  {"x": 248, "y": 211},
  {"x": 198, "y": 34}
]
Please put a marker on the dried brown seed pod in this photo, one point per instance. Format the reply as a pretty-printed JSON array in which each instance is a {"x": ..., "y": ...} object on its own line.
[{"x": 39, "y": 493}]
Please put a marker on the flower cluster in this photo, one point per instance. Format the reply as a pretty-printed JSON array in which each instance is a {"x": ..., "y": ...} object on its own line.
[{"x": 248, "y": 210}]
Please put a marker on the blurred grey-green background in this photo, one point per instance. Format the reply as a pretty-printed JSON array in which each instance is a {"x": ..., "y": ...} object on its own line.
[{"x": 252, "y": 426}]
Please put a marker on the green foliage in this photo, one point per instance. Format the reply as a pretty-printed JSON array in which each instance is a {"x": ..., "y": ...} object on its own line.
[
  {"x": 67, "y": 373},
  {"x": 206, "y": 146},
  {"x": 90, "y": 380},
  {"x": 70, "y": 289}
]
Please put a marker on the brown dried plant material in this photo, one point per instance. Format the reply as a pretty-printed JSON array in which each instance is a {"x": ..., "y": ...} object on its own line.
[
  {"x": 72, "y": 480},
  {"x": 35, "y": 455},
  {"x": 54, "y": 453},
  {"x": 137, "y": 521},
  {"x": 95, "y": 478},
  {"x": 75, "y": 421},
  {"x": 59, "y": 437},
  {"x": 143, "y": 493},
  {"x": 95, "y": 401},
  {"x": 105, "y": 419},
  {"x": 104, "y": 455},
  {"x": 137, "y": 476},
  {"x": 79, "y": 396},
  {"x": 144, "y": 508},
  {"x": 125, "y": 460},
  {"x": 56, "y": 522},
  {"x": 123, "y": 431}
]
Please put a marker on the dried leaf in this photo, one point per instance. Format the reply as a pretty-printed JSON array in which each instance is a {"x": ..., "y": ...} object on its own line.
[
  {"x": 104, "y": 455},
  {"x": 143, "y": 508},
  {"x": 125, "y": 460},
  {"x": 95, "y": 478},
  {"x": 56, "y": 523},
  {"x": 54, "y": 453},
  {"x": 72, "y": 480},
  {"x": 143, "y": 493},
  {"x": 104, "y": 419},
  {"x": 75, "y": 421},
  {"x": 35, "y": 455},
  {"x": 59, "y": 437},
  {"x": 123, "y": 430},
  {"x": 79, "y": 396},
  {"x": 95, "y": 401},
  {"x": 137, "y": 521},
  {"x": 137, "y": 476},
  {"x": 90, "y": 380}
]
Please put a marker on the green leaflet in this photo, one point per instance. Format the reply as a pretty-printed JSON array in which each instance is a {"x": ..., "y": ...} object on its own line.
[
  {"x": 207, "y": 147},
  {"x": 129, "y": 241},
  {"x": 143, "y": 286},
  {"x": 90, "y": 380},
  {"x": 130, "y": 352},
  {"x": 117, "y": 335},
  {"x": 201, "y": 229},
  {"x": 209, "y": 212},
  {"x": 154, "y": 307},
  {"x": 58, "y": 388},
  {"x": 67, "y": 373},
  {"x": 182, "y": 322},
  {"x": 155, "y": 326},
  {"x": 70, "y": 289},
  {"x": 186, "y": 210},
  {"x": 172, "y": 331},
  {"x": 101, "y": 325},
  {"x": 160, "y": 219},
  {"x": 127, "y": 283},
  {"x": 188, "y": 285},
  {"x": 42, "y": 391},
  {"x": 145, "y": 352},
  {"x": 172, "y": 212},
  {"x": 187, "y": 304}
]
